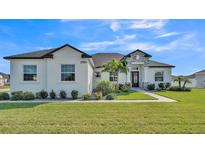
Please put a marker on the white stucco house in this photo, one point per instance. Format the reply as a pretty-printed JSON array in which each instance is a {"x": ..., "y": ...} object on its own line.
[
  {"x": 4, "y": 79},
  {"x": 197, "y": 80},
  {"x": 68, "y": 68}
]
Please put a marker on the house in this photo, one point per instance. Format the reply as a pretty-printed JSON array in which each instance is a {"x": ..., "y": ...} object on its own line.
[
  {"x": 4, "y": 79},
  {"x": 68, "y": 68},
  {"x": 197, "y": 80}
]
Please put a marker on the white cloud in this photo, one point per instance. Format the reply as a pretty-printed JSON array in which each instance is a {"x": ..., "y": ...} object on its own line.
[
  {"x": 186, "y": 41},
  {"x": 42, "y": 47},
  {"x": 147, "y": 24},
  {"x": 115, "y": 26},
  {"x": 167, "y": 34},
  {"x": 105, "y": 44}
]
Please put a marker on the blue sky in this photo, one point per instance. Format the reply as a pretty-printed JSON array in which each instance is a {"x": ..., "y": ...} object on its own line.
[{"x": 178, "y": 42}]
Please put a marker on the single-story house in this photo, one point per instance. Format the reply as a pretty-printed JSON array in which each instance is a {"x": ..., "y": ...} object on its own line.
[
  {"x": 4, "y": 79},
  {"x": 197, "y": 80},
  {"x": 68, "y": 68}
]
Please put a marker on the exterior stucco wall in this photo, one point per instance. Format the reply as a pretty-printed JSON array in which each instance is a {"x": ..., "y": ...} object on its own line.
[
  {"x": 16, "y": 70},
  {"x": 49, "y": 73},
  {"x": 1, "y": 80},
  {"x": 106, "y": 76},
  {"x": 150, "y": 75},
  {"x": 192, "y": 84},
  {"x": 200, "y": 80}
]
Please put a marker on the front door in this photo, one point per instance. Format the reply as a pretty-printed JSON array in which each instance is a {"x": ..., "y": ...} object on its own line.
[{"x": 135, "y": 79}]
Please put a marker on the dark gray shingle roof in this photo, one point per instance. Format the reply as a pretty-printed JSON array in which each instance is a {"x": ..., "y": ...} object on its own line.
[
  {"x": 34, "y": 54},
  {"x": 4, "y": 75},
  {"x": 101, "y": 58},
  {"x": 152, "y": 63},
  {"x": 44, "y": 53},
  {"x": 202, "y": 71}
]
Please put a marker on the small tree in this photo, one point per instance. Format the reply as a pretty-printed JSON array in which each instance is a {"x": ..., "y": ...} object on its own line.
[
  {"x": 179, "y": 79},
  {"x": 186, "y": 80},
  {"x": 115, "y": 66}
]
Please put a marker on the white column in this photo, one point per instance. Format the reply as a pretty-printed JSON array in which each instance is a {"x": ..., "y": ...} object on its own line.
[{"x": 128, "y": 74}]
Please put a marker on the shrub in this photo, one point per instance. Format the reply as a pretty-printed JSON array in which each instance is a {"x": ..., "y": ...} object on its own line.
[
  {"x": 43, "y": 94},
  {"x": 161, "y": 86},
  {"x": 63, "y": 94},
  {"x": 167, "y": 85},
  {"x": 28, "y": 96},
  {"x": 110, "y": 96},
  {"x": 4, "y": 96},
  {"x": 125, "y": 88},
  {"x": 120, "y": 86},
  {"x": 86, "y": 96},
  {"x": 98, "y": 95},
  {"x": 38, "y": 95},
  {"x": 52, "y": 94},
  {"x": 187, "y": 89},
  {"x": 17, "y": 95},
  {"x": 175, "y": 88},
  {"x": 74, "y": 94},
  {"x": 151, "y": 86},
  {"x": 105, "y": 87}
]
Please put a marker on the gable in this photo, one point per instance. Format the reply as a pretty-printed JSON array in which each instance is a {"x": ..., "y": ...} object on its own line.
[
  {"x": 47, "y": 53},
  {"x": 66, "y": 52},
  {"x": 139, "y": 52}
]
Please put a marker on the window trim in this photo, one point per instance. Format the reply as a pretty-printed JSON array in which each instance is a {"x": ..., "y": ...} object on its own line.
[
  {"x": 161, "y": 76},
  {"x": 28, "y": 73},
  {"x": 113, "y": 76},
  {"x": 67, "y": 72}
]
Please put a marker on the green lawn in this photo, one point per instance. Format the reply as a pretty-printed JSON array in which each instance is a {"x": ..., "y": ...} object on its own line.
[
  {"x": 134, "y": 96},
  {"x": 185, "y": 116},
  {"x": 4, "y": 88}
]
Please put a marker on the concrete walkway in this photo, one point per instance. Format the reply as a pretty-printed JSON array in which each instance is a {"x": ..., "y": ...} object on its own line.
[{"x": 158, "y": 99}]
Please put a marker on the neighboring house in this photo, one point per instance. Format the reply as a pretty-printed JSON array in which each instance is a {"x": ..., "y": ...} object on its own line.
[
  {"x": 197, "y": 80},
  {"x": 68, "y": 68},
  {"x": 4, "y": 79}
]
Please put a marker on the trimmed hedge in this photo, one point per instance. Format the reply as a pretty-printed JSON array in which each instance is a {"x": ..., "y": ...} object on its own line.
[
  {"x": 19, "y": 95},
  {"x": 28, "y": 96},
  {"x": 43, "y": 94},
  {"x": 4, "y": 96},
  {"x": 151, "y": 86},
  {"x": 175, "y": 88},
  {"x": 111, "y": 96},
  {"x": 74, "y": 94},
  {"x": 86, "y": 96},
  {"x": 52, "y": 94},
  {"x": 63, "y": 94}
]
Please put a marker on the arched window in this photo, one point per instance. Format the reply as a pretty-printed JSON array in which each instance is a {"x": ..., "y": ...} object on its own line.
[{"x": 159, "y": 76}]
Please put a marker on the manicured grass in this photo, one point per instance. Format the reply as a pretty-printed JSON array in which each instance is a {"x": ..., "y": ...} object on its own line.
[
  {"x": 4, "y": 88},
  {"x": 185, "y": 116},
  {"x": 134, "y": 96}
]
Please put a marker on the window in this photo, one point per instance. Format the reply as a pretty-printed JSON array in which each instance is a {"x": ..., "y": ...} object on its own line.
[
  {"x": 113, "y": 76},
  {"x": 67, "y": 72},
  {"x": 159, "y": 76},
  {"x": 30, "y": 72}
]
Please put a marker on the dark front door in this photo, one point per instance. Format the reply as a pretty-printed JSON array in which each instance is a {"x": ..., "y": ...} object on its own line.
[{"x": 135, "y": 79}]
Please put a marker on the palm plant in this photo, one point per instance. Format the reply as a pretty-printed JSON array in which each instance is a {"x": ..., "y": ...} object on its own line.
[
  {"x": 115, "y": 66},
  {"x": 179, "y": 79},
  {"x": 186, "y": 80}
]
